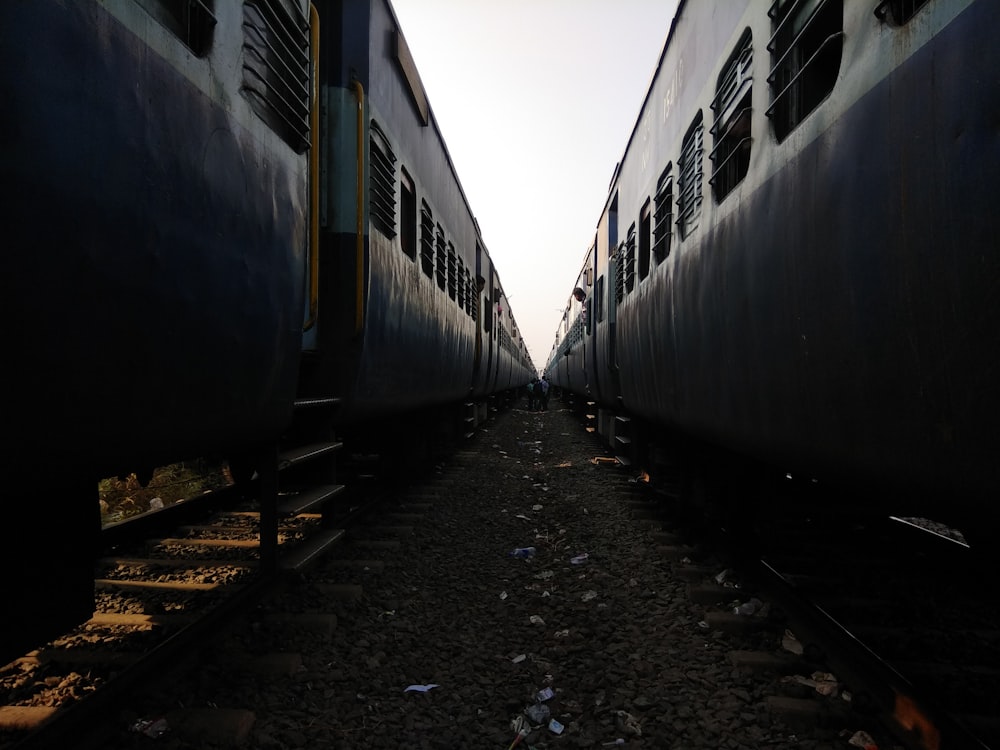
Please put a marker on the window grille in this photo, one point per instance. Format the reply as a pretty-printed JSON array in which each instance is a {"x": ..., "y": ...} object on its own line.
[
  {"x": 408, "y": 215},
  {"x": 731, "y": 128},
  {"x": 276, "y": 67},
  {"x": 901, "y": 10},
  {"x": 644, "y": 237},
  {"x": 442, "y": 260},
  {"x": 381, "y": 189},
  {"x": 452, "y": 272},
  {"x": 426, "y": 239},
  {"x": 461, "y": 280},
  {"x": 472, "y": 298},
  {"x": 618, "y": 258},
  {"x": 690, "y": 174},
  {"x": 805, "y": 47},
  {"x": 630, "y": 259},
  {"x": 191, "y": 20},
  {"x": 599, "y": 296},
  {"x": 663, "y": 215}
]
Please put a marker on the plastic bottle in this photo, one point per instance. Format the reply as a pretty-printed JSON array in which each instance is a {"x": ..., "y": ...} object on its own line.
[{"x": 523, "y": 553}]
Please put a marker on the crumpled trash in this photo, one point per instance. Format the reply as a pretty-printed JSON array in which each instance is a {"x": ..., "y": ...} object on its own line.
[
  {"x": 521, "y": 729},
  {"x": 864, "y": 740},
  {"x": 523, "y": 553},
  {"x": 555, "y": 727},
  {"x": 151, "y": 727},
  {"x": 538, "y": 713},
  {"x": 536, "y": 620},
  {"x": 579, "y": 559},
  {"x": 544, "y": 694},
  {"x": 791, "y": 644},
  {"x": 752, "y": 607},
  {"x": 628, "y": 724},
  {"x": 421, "y": 688},
  {"x": 588, "y": 595},
  {"x": 823, "y": 683},
  {"x": 156, "y": 503},
  {"x": 519, "y": 658}
]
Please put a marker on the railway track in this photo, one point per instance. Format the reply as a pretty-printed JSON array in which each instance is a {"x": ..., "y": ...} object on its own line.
[
  {"x": 892, "y": 618},
  {"x": 902, "y": 614},
  {"x": 168, "y": 581}
]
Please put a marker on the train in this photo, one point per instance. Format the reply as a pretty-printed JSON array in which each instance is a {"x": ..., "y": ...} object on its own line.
[
  {"x": 217, "y": 213},
  {"x": 793, "y": 279}
]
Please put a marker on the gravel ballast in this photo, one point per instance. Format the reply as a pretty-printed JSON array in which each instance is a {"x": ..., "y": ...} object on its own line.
[{"x": 589, "y": 642}]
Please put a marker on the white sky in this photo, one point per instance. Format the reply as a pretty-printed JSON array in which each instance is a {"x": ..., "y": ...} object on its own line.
[{"x": 536, "y": 100}]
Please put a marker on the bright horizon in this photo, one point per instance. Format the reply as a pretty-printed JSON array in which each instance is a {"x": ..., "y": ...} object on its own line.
[{"x": 536, "y": 100}]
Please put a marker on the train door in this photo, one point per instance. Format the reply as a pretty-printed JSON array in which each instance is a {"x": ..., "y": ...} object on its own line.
[
  {"x": 613, "y": 284},
  {"x": 490, "y": 328},
  {"x": 477, "y": 360},
  {"x": 613, "y": 289}
]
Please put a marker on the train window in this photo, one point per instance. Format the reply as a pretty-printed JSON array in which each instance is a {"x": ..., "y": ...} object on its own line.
[
  {"x": 613, "y": 226},
  {"x": 731, "y": 129},
  {"x": 276, "y": 66},
  {"x": 442, "y": 260},
  {"x": 663, "y": 215},
  {"x": 644, "y": 238},
  {"x": 460, "y": 283},
  {"x": 452, "y": 272},
  {"x": 382, "y": 187},
  {"x": 408, "y": 215},
  {"x": 599, "y": 296},
  {"x": 806, "y": 47},
  {"x": 901, "y": 10},
  {"x": 470, "y": 308},
  {"x": 690, "y": 174},
  {"x": 426, "y": 239},
  {"x": 618, "y": 261},
  {"x": 191, "y": 20},
  {"x": 630, "y": 259}
]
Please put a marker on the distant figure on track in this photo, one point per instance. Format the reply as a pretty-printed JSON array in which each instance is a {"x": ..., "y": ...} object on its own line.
[
  {"x": 543, "y": 391},
  {"x": 531, "y": 395}
]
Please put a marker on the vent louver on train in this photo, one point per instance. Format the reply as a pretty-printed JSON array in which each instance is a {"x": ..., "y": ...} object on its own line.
[
  {"x": 382, "y": 189},
  {"x": 276, "y": 67}
]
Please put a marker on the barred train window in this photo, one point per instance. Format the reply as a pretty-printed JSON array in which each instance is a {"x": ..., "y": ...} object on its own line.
[
  {"x": 663, "y": 215},
  {"x": 599, "y": 295},
  {"x": 460, "y": 282},
  {"x": 381, "y": 189},
  {"x": 806, "y": 47},
  {"x": 442, "y": 259},
  {"x": 644, "y": 237},
  {"x": 408, "y": 215},
  {"x": 192, "y": 21},
  {"x": 470, "y": 295},
  {"x": 276, "y": 67},
  {"x": 426, "y": 239},
  {"x": 619, "y": 262},
  {"x": 731, "y": 129},
  {"x": 452, "y": 282},
  {"x": 901, "y": 10},
  {"x": 690, "y": 176},
  {"x": 630, "y": 259}
]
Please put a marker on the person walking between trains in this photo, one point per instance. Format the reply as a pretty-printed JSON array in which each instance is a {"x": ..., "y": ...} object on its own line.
[
  {"x": 531, "y": 395},
  {"x": 543, "y": 389}
]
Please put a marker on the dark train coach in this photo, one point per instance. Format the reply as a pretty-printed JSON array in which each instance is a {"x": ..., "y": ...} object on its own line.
[
  {"x": 215, "y": 211},
  {"x": 796, "y": 269}
]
